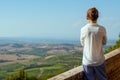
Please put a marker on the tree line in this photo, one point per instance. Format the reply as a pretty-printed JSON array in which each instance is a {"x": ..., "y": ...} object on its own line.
[{"x": 111, "y": 48}]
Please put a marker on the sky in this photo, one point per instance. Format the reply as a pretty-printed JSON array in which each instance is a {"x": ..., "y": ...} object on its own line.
[{"x": 56, "y": 19}]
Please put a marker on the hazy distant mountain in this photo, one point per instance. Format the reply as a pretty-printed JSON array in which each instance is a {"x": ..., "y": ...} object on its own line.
[{"x": 43, "y": 41}]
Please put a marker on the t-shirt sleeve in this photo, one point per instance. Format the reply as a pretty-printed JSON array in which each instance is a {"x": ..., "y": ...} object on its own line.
[
  {"x": 104, "y": 41},
  {"x": 82, "y": 37}
]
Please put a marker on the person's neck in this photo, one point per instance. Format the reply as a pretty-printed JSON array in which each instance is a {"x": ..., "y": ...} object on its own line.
[{"x": 92, "y": 22}]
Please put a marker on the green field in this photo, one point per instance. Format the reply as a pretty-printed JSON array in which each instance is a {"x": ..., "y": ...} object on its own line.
[{"x": 43, "y": 68}]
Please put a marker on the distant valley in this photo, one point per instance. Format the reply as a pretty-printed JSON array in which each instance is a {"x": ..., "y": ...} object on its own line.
[{"x": 17, "y": 53}]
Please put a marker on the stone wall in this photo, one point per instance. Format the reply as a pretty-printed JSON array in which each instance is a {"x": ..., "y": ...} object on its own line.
[{"x": 112, "y": 66}]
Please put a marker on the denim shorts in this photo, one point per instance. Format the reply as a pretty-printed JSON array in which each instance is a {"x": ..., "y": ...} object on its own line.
[{"x": 95, "y": 72}]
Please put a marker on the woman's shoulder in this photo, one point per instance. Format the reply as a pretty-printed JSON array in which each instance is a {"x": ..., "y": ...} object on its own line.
[
  {"x": 102, "y": 27},
  {"x": 85, "y": 27}
]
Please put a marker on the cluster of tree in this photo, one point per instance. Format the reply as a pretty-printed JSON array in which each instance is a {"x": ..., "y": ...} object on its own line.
[
  {"x": 21, "y": 75},
  {"x": 2, "y": 61},
  {"x": 111, "y": 48},
  {"x": 37, "y": 66}
]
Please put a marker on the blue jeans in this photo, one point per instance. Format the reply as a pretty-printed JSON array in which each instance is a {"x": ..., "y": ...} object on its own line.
[{"x": 93, "y": 72}]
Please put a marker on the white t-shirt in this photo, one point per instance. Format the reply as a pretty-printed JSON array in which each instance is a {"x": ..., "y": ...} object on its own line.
[{"x": 93, "y": 37}]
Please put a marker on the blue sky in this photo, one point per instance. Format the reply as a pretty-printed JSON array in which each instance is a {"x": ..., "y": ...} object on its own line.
[{"x": 57, "y": 19}]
